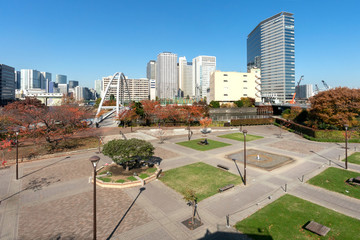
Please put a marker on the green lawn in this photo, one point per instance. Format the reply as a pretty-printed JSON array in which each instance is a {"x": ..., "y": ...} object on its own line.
[
  {"x": 240, "y": 137},
  {"x": 333, "y": 179},
  {"x": 194, "y": 144},
  {"x": 354, "y": 158},
  {"x": 204, "y": 179},
  {"x": 284, "y": 219}
]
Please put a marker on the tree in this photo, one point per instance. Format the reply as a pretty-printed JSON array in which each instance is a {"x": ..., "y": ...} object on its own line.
[
  {"x": 205, "y": 122},
  {"x": 149, "y": 108},
  {"x": 191, "y": 199},
  {"x": 239, "y": 103},
  {"x": 97, "y": 102},
  {"x": 334, "y": 108},
  {"x": 37, "y": 120},
  {"x": 112, "y": 97},
  {"x": 128, "y": 153},
  {"x": 128, "y": 116},
  {"x": 214, "y": 104},
  {"x": 292, "y": 113}
]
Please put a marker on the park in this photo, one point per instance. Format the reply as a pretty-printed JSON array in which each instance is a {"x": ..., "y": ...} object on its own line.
[{"x": 263, "y": 181}]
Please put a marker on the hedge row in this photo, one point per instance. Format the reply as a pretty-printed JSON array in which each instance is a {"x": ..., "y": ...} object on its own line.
[
  {"x": 251, "y": 121},
  {"x": 296, "y": 127}
]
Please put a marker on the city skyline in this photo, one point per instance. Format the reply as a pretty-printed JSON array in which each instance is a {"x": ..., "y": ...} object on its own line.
[{"x": 75, "y": 45}]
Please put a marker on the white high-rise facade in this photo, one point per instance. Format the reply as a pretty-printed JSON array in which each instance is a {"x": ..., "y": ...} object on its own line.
[
  {"x": 45, "y": 80},
  {"x": 151, "y": 69},
  {"x": 98, "y": 87},
  {"x": 166, "y": 75},
  {"x": 186, "y": 83},
  {"x": 202, "y": 68},
  {"x": 30, "y": 79}
]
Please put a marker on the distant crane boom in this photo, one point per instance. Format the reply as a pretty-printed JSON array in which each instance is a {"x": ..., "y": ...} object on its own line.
[
  {"x": 325, "y": 85},
  {"x": 298, "y": 84}
]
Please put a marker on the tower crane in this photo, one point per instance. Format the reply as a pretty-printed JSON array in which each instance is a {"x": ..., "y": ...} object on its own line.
[
  {"x": 325, "y": 85},
  {"x": 298, "y": 84}
]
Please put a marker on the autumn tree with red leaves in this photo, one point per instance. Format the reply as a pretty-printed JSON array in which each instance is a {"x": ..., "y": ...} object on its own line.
[
  {"x": 334, "y": 108},
  {"x": 128, "y": 115}
]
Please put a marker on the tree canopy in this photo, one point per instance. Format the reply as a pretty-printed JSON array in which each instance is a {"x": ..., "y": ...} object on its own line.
[
  {"x": 128, "y": 152},
  {"x": 334, "y": 108}
]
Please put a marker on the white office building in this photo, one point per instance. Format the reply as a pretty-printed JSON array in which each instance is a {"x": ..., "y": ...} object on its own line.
[
  {"x": 151, "y": 69},
  {"x": 186, "y": 81},
  {"x": 166, "y": 75},
  {"x": 30, "y": 79},
  {"x": 202, "y": 68}
]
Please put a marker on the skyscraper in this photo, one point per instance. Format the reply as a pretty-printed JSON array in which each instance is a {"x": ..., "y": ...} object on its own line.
[
  {"x": 186, "y": 83},
  {"x": 30, "y": 79},
  {"x": 166, "y": 75},
  {"x": 151, "y": 70},
  {"x": 271, "y": 47},
  {"x": 98, "y": 87},
  {"x": 62, "y": 79},
  {"x": 7, "y": 84},
  {"x": 17, "y": 79},
  {"x": 202, "y": 67},
  {"x": 45, "y": 80},
  {"x": 73, "y": 83}
]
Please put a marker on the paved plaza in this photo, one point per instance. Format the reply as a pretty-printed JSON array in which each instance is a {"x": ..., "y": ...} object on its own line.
[{"x": 53, "y": 198}]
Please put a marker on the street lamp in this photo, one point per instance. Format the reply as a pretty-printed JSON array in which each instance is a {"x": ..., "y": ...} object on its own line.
[
  {"x": 94, "y": 161},
  {"x": 17, "y": 154},
  {"x": 346, "y": 162},
  {"x": 245, "y": 132}
]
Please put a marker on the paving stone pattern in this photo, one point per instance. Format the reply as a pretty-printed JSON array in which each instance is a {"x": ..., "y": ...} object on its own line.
[{"x": 72, "y": 217}]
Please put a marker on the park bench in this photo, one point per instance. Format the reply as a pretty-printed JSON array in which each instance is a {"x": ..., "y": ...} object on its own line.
[
  {"x": 317, "y": 228},
  {"x": 222, "y": 167},
  {"x": 226, "y": 187}
]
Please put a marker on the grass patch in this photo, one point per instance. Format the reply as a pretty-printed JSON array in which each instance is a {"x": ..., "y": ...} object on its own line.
[
  {"x": 202, "y": 178},
  {"x": 105, "y": 179},
  {"x": 194, "y": 144},
  {"x": 284, "y": 219},
  {"x": 240, "y": 137},
  {"x": 120, "y": 181},
  {"x": 333, "y": 179},
  {"x": 132, "y": 178},
  {"x": 151, "y": 170},
  {"x": 354, "y": 158},
  {"x": 143, "y": 176}
]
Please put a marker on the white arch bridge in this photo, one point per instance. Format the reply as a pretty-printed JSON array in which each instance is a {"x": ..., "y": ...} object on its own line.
[{"x": 118, "y": 82}]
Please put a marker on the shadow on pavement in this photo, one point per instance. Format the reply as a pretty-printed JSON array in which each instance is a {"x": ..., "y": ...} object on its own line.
[
  {"x": 44, "y": 167},
  {"x": 123, "y": 217},
  {"x": 331, "y": 161},
  {"x": 233, "y": 235},
  {"x": 237, "y": 167}
]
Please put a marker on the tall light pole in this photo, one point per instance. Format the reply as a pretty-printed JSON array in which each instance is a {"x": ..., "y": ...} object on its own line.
[
  {"x": 245, "y": 132},
  {"x": 94, "y": 161},
  {"x": 17, "y": 154},
  {"x": 346, "y": 160}
]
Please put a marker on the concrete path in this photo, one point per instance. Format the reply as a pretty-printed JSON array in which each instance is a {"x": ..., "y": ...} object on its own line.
[{"x": 59, "y": 187}]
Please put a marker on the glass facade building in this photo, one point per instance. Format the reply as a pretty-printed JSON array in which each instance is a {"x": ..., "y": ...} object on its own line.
[
  {"x": 7, "y": 84},
  {"x": 61, "y": 79},
  {"x": 271, "y": 47}
]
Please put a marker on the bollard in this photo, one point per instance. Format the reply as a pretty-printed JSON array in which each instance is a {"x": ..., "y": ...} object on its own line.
[
  {"x": 339, "y": 157},
  {"x": 302, "y": 179},
  {"x": 285, "y": 187},
  {"x": 329, "y": 162},
  {"x": 227, "y": 221}
]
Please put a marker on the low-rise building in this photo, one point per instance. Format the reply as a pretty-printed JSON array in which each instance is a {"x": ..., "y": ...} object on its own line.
[{"x": 231, "y": 86}]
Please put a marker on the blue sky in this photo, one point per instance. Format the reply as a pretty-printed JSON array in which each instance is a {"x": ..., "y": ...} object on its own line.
[{"x": 87, "y": 40}]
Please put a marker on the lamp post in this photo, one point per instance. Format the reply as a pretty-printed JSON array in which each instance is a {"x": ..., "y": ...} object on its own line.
[
  {"x": 346, "y": 162},
  {"x": 17, "y": 154},
  {"x": 94, "y": 161},
  {"x": 244, "y": 132}
]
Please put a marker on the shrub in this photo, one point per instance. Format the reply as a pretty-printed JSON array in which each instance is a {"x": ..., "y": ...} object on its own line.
[
  {"x": 132, "y": 178},
  {"x": 120, "y": 181},
  {"x": 104, "y": 179},
  {"x": 296, "y": 127}
]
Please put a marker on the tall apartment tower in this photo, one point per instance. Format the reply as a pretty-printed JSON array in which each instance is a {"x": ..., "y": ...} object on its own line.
[
  {"x": 7, "y": 84},
  {"x": 166, "y": 75},
  {"x": 61, "y": 79},
  {"x": 186, "y": 83},
  {"x": 151, "y": 70},
  {"x": 271, "y": 47},
  {"x": 17, "y": 79},
  {"x": 202, "y": 68}
]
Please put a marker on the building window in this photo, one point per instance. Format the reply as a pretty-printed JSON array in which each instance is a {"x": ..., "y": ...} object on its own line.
[
  {"x": 245, "y": 87},
  {"x": 225, "y": 74},
  {"x": 245, "y": 81},
  {"x": 244, "y": 75},
  {"x": 225, "y": 95},
  {"x": 245, "y": 95},
  {"x": 225, "y": 80}
]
